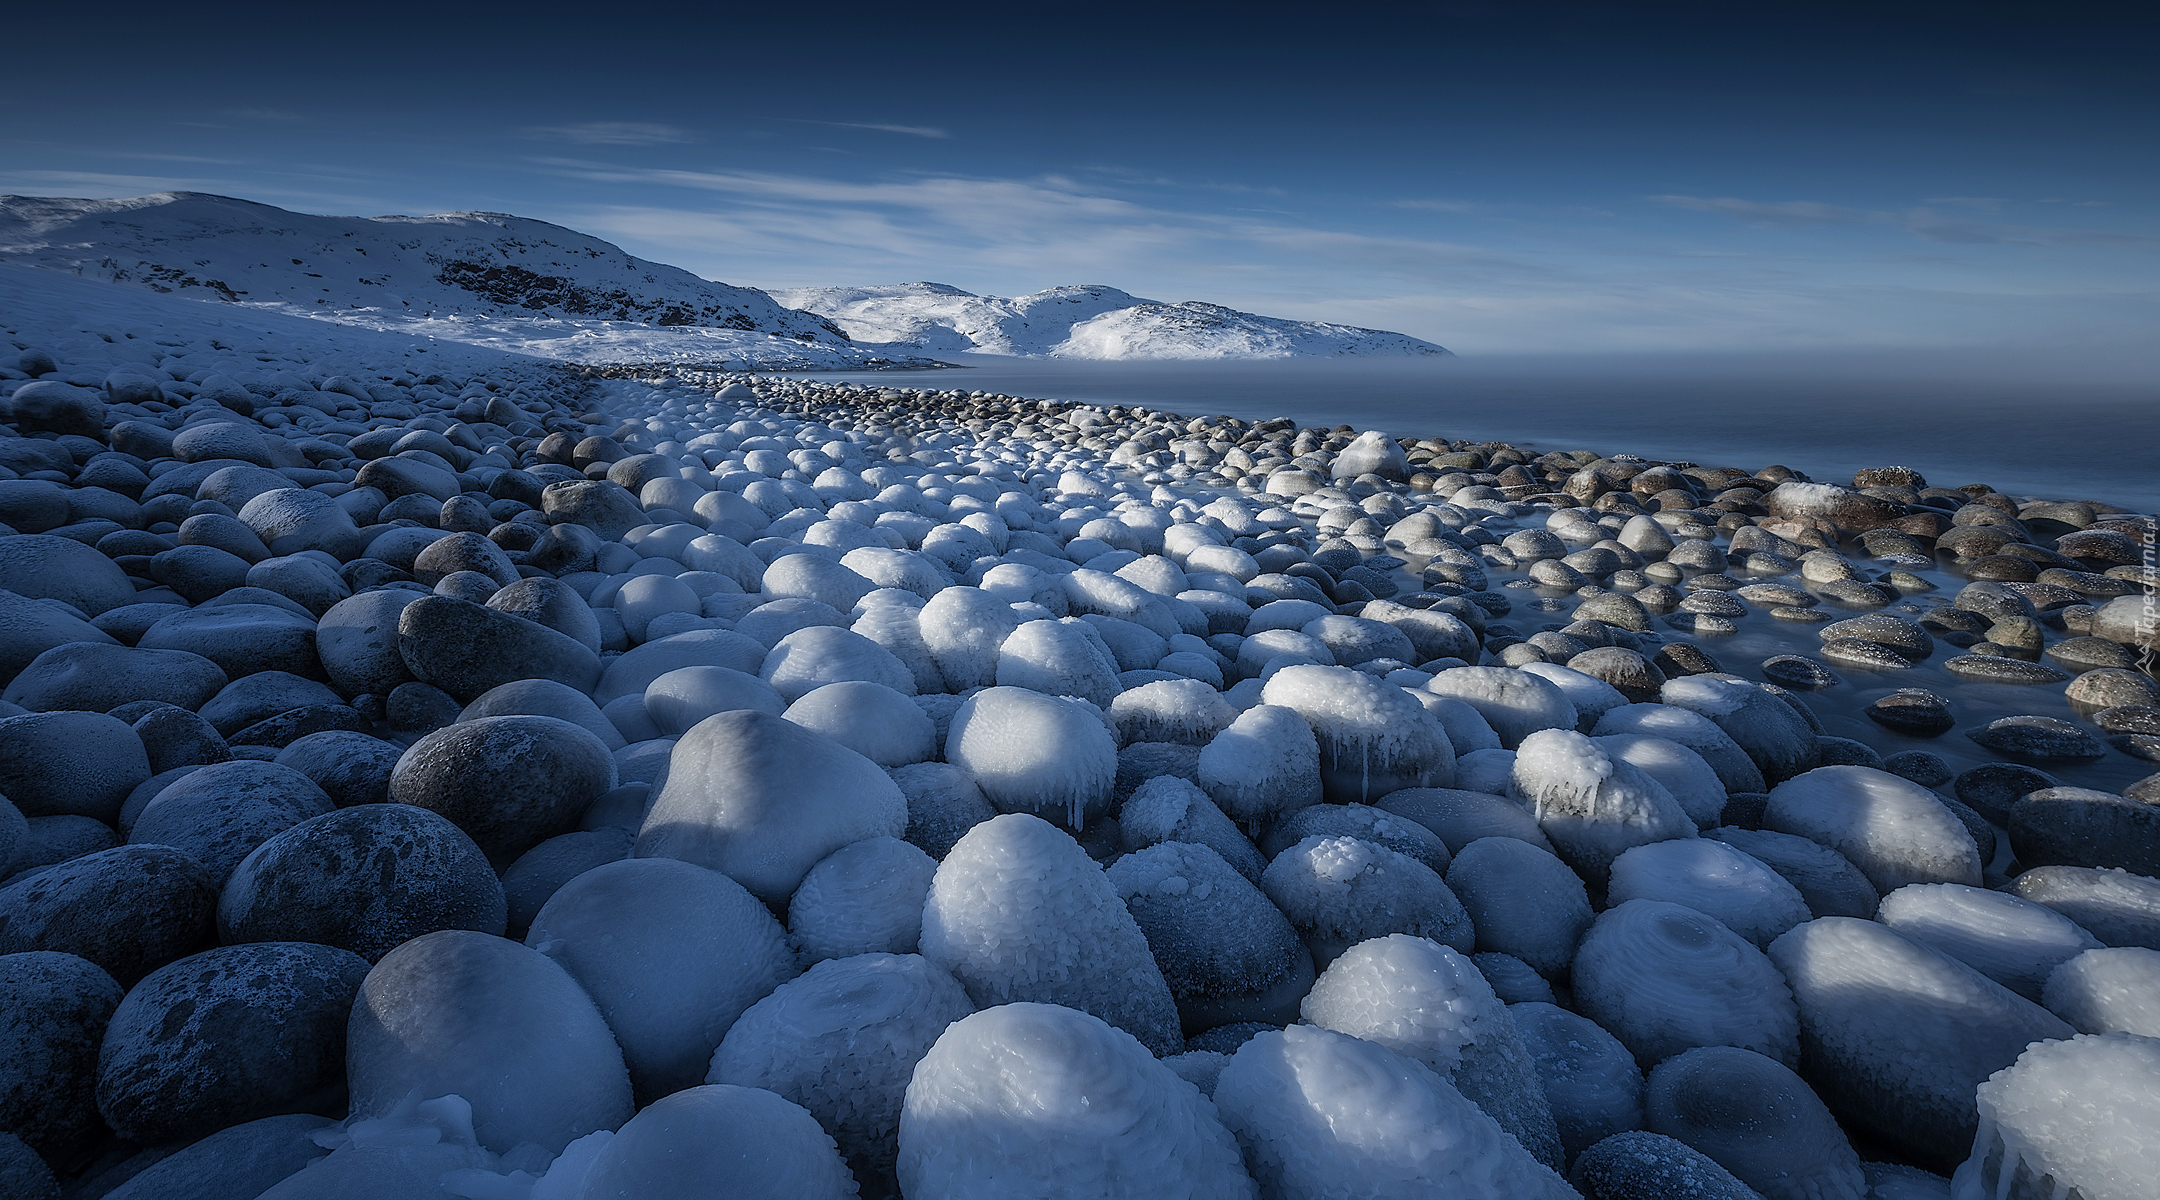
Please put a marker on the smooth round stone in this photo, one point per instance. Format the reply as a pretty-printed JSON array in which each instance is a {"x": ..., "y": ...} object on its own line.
[
  {"x": 289, "y": 520},
  {"x": 1986, "y": 668},
  {"x": 1772, "y": 595},
  {"x": 1927, "y": 770},
  {"x": 1799, "y": 673},
  {"x": 94, "y": 677},
  {"x": 608, "y": 509},
  {"x": 58, "y": 568},
  {"x": 2143, "y": 746},
  {"x": 1627, "y": 671},
  {"x": 510, "y": 782},
  {"x": 1864, "y": 655},
  {"x": 1678, "y": 659},
  {"x": 2079, "y": 827},
  {"x": 1913, "y": 712},
  {"x": 493, "y": 1022},
  {"x": 545, "y": 698},
  {"x": 679, "y": 699},
  {"x": 53, "y": 1012},
  {"x": 1851, "y": 593},
  {"x": 1640, "y": 1165},
  {"x": 245, "y": 1159},
  {"x": 49, "y": 840},
  {"x": 241, "y": 639},
  {"x": 763, "y": 800},
  {"x": 226, "y": 1036},
  {"x": 2091, "y": 654},
  {"x": 541, "y": 871},
  {"x": 2039, "y": 739},
  {"x": 1992, "y": 789},
  {"x": 175, "y": 737},
  {"x": 2110, "y": 687},
  {"x": 467, "y": 649},
  {"x": 1799, "y": 616},
  {"x": 130, "y": 910},
  {"x": 29, "y": 628},
  {"x": 463, "y": 552},
  {"x": 220, "y": 813},
  {"x": 357, "y": 641},
  {"x": 552, "y": 603},
  {"x": 70, "y": 763},
  {"x": 2002, "y": 568},
  {"x": 364, "y": 879},
  {"x": 252, "y": 698},
  {"x": 1907, "y": 639},
  {"x": 1702, "y": 624},
  {"x": 350, "y": 768},
  {"x": 2129, "y": 718}
]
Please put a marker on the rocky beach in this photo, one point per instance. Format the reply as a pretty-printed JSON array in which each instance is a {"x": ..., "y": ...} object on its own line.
[{"x": 432, "y": 770}]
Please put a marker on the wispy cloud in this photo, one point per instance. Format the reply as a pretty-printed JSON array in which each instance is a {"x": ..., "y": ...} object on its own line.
[
  {"x": 1444, "y": 206},
  {"x": 278, "y": 115},
  {"x": 921, "y": 131},
  {"x": 1782, "y": 213},
  {"x": 614, "y": 133},
  {"x": 1934, "y": 227}
]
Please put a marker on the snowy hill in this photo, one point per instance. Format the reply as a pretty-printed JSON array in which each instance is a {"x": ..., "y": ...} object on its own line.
[
  {"x": 1082, "y": 321},
  {"x": 485, "y": 278}
]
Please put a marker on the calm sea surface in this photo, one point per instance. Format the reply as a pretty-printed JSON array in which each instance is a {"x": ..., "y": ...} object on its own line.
[{"x": 2068, "y": 433}]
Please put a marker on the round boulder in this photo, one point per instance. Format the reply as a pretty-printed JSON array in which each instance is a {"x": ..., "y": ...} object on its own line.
[
  {"x": 53, "y": 1011},
  {"x": 130, "y": 909},
  {"x": 510, "y": 782}
]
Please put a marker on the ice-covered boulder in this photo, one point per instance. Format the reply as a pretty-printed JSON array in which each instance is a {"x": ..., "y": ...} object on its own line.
[
  {"x": 1018, "y": 911},
  {"x": 1421, "y": 999},
  {"x": 863, "y": 898},
  {"x": 1226, "y": 953},
  {"x": 1714, "y": 879},
  {"x": 1373, "y": 738},
  {"x": 842, "y": 1040},
  {"x": 1033, "y": 753},
  {"x": 812, "y": 657},
  {"x": 1040, "y": 1100},
  {"x": 1320, "y": 1113},
  {"x": 1893, "y": 829},
  {"x": 964, "y": 629},
  {"x": 2012, "y": 941},
  {"x": 765, "y": 1147},
  {"x": 1339, "y": 891},
  {"x": 1591, "y": 1081},
  {"x": 2074, "y": 1117},
  {"x": 1265, "y": 764},
  {"x": 1825, "y": 879},
  {"x": 2119, "y": 908},
  {"x": 1685, "y": 773},
  {"x": 762, "y": 799},
  {"x": 1592, "y": 805},
  {"x": 1522, "y": 900},
  {"x": 871, "y": 719},
  {"x": 1461, "y": 817},
  {"x": 1664, "y": 978},
  {"x": 677, "y": 700},
  {"x": 1897, "y": 1036},
  {"x": 1756, "y": 1119},
  {"x": 671, "y": 953},
  {"x": 1059, "y": 658},
  {"x": 489, "y": 1020},
  {"x": 1171, "y": 809},
  {"x": 1692, "y": 730},
  {"x": 1764, "y": 726},
  {"x": 1515, "y": 703},
  {"x": 1171, "y": 710},
  {"x": 2110, "y": 990}
]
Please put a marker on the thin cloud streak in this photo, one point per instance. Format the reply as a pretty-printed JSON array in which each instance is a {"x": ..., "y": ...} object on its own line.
[
  {"x": 614, "y": 133},
  {"x": 921, "y": 131}
]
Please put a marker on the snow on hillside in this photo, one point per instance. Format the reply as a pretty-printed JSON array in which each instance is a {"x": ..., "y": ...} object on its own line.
[
  {"x": 1083, "y": 321},
  {"x": 507, "y": 282}
]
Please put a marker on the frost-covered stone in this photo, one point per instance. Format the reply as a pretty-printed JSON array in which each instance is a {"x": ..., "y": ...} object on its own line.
[
  {"x": 1059, "y": 658},
  {"x": 1181, "y": 710},
  {"x": 1756, "y": 1119},
  {"x": 671, "y": 953},
  {"x": 1897, "y": 1036},
  {"x": 1893, "y": 829},
  {"x": 1373, "y": 738},
  {"x": 1037, "y": 754},
  {"x": 1665, "y": 978},
  {"x": 1460, "y": 817},
  {"x": 1169, "y": 809},
  {"x": 871, "y": 719},
  {"x": 2014, "y": 942},
  {"x": 2075, "y": 1112},
  {"x": 1038, "y": 1099},
  {"x": 1018, "y": 911},
  {"x": 1265, "y": 764},
  {"x": 1826, "y": 880},
  {"x": 1522, "y": 900},
  {"x": 764, "y": 1146},
  {"x": 1320, "y": 1113},
  {"x": 1589, "y": 1078},
  {"x": 1515, "y": 703},
  {"x": 1592, "y": 805},
  {"x": 863, "y": 898},
  {"x": 488, "y": 1020},
  {"x": 1689, "y": 729},
  {"x": 964, "y": 629},
  {"x": 1423, "y": 1000},
  {"x": 1340, "y": 891},
  {"x": 1690, "y": 779},
  {"x": 943, "y": 803},
  {"x": 1714, "y": 879},
  {"x": 1765, "y": 727},
  {"x": 843, "y": 1040},
  {"x": 1227, "y": 954},
  {"x": 2110, "y": 990}
]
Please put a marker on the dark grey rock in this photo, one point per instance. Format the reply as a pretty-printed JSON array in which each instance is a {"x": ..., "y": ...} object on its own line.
[
  {"x": 402, "y": 476},
  {"x": 130, "y": 910},
  {"x": 603, "y": 507},
  {"x": 52, "y": 406},
  {"x": 50, "y": 840},
  {"x": 95, "y": 676},
  {"x": 231, "y": 1034},
  {"x": 241, "y": 638},
  {"x": 1923, "y": 768},
  {"x": 245, "y": 1160},
  {"x": 29, "y": 628},
  {"x": 542, "y": 870},
  {"x": 2079, "y": 827},
  {"x": 1796, "y": 671},
  {"x": 552, "y": 603},
  {"x": 463, "y": 552},
  {"x": 58, "y": 568},
  {"x": 1993, "y": 789},
  {"x": 2106, "y": 687},
  {"x": 222, "y": 812},
  {"x": 1837, "y": 751},
  {"x": 510, "y": 782},
  {"x": 199, "y": 573},
  {"x": 263, "y": 694},
  {"x": 357, "y": 641},
  {"x": 2039, "y": 739},
  {"x": 420, "y": 707},
  {"x": 364, "y": 879},
  {"x": 1984, "y": 668},
  {"x": 289, "y": 726},
  {"x": 24, "y": 1175},
  {"x": 1639, "y": 1165},
  {"x": 1677, "y": 659},
  {"x": 2129, "y": 718},
  {"x": 466, "y": 649},
  {"x": 175, "y": 737},
  {"x": 70, "y": 762},
  {"x": 129, "y": 622},
  {"x": 350, "y": 768},
  {"x": 289, "y": 520},
  {"x": 53, "y": 1012}
]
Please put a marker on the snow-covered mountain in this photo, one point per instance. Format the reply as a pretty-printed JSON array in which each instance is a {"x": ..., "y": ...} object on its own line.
[
  {"x": 1081, "y": 321},
  {"x": 485, "y": 278}
]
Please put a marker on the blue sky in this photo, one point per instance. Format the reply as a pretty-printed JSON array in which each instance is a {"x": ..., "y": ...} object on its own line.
[{"x": 1499, "y": 178}]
